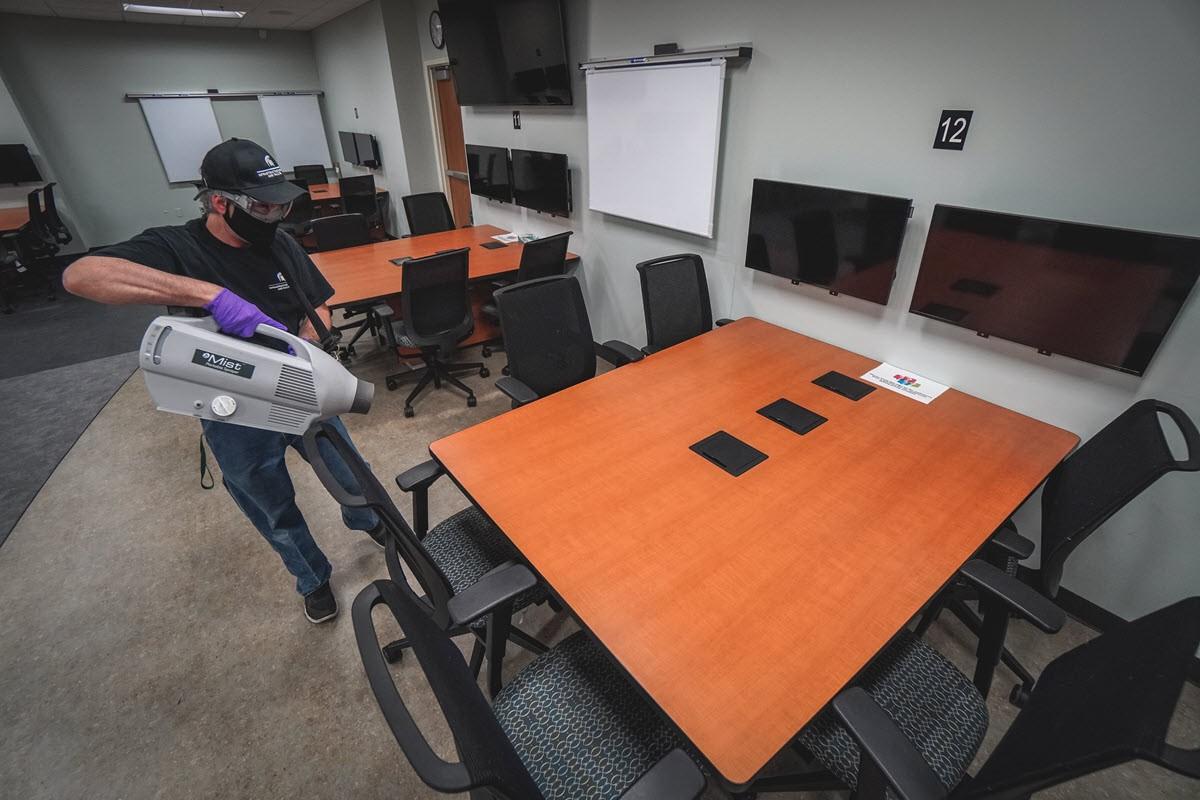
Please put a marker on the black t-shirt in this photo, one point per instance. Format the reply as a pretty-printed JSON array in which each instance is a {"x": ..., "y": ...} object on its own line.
[{"x": 191, "y": 250}]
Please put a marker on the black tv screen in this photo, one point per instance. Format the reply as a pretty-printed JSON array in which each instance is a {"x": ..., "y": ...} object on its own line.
[
  {"x": 349, "y": 148},
  {"x": 541, "y": 181},
  {"x": 487, "y": 171},
  {"x": 368, "y": 151},
  {"x": 507, "y": 52},
  {"x": 846, "y": 242},
  {"x": 16, "y": 165},
  {"x": 1102, "y": 295}
]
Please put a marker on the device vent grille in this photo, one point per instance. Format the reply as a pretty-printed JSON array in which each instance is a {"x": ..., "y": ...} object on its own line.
[
  {"x": 296, "y": 385},
  {"x": 293, "y": 418}
]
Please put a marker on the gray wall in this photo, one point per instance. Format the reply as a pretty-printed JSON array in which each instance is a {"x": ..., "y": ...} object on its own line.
[
  {"x": 69, "y": 78},
  {"x": 412, "y": 95},
  {"x": 356, "y": 74},
  {"x": 1082, "y": 112}
]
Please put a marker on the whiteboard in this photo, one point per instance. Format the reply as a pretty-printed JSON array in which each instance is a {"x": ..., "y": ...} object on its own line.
[
  {"x": 184, "y": 129},
  {"x": 296, "y": 130},
  {"x": 654, "y": 134}
]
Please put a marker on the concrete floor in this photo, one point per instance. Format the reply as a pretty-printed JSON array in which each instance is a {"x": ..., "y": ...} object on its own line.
[{"x": 151, "y": 644}]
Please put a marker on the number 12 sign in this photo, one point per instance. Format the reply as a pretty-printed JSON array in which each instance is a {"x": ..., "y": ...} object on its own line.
[{"x": 952, "y": 130}]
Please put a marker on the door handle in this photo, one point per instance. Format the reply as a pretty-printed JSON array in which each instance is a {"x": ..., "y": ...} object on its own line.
[{"x": 462, "y": 176}]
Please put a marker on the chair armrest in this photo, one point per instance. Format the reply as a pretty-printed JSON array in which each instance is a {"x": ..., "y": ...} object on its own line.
[
  {"x": 1190, "y": 435},
  {"x": 420, "y": 477},
  {"x": 519, "y": 392},
  {"x": 383, "y": 310},
  {"x": 1019, "y": 597},
  {"x": 494, "y": 589},
  {"x": 721, "y": 323},
  {"x": 650, "y": 350},
  {"x": 886, "y": 748},
  {"x": 1007, "y": 539},
  {"x": 674, "y": 777},
  {"x": 618, "y": 353},
  {"x": 444, "y": 776}
]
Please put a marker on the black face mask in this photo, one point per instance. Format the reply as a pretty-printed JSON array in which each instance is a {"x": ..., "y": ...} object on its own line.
[{"x": 260, "y": 235}]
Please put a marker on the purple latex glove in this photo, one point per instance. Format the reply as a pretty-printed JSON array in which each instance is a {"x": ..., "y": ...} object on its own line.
[{"x": 238, "y": 316}]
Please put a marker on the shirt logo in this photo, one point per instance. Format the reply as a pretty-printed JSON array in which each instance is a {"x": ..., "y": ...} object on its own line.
[
  {"x": 280, "y": 283},
  {"x": 220, "y": 363}
]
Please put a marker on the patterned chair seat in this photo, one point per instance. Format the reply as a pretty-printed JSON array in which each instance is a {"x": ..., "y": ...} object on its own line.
[
  {"x": 466, "y": 546},
  {"x": 579, "y": 726},
  {"x": 934, "y": 705}
]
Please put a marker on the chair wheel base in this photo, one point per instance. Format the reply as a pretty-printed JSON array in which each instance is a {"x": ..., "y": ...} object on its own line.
[
  {"x": 484, "y": 372},
  {"x": 393, "y": 654},
  {"x": 391, "y": 384},
  {"x": 1019, "y": 695},
  {"x": 485, "y": 351},
  {"x": 471, "y": 401},
  {"x": 504, "y": 370},
  {"x": 409, "y": 411}
]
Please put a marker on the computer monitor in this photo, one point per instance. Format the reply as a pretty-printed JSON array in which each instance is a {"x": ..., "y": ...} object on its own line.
[
  {"x": 846, "y": 242},
  {"x": 1103, "y": 295},
  {"x": 16, "y": 165},
  {"x": 349, "y": 148},
  {"x": 488, "y": 172},
  {"x": 541, "y": 181},
  {"x": 368, "y": 152}
]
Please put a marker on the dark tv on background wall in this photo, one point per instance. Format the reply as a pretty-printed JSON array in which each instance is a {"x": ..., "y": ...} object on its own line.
[
  {"x": 367, "y": 149},
  {"x": 507, "y": 52},
  {"x": 541, "y": 181},
  {"x": 488, "y": 172},
  {"x": 349, "y": 148},
  {"x": 1103, "y": 295},
  {"x": 846, "y": 242},
  {"x": 16, "y": 165}
]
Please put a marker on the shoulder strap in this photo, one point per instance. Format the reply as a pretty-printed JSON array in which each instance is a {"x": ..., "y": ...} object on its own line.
[{"x": 329, "y": 338}]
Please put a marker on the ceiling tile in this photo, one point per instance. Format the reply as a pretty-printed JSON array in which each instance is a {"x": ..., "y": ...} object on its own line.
[
  {"x": 154, "y": 19},
  {"x": 26, "y": 7}
]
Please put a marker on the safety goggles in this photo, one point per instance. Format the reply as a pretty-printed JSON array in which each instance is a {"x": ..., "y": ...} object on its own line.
[{"x": 263, "y": 212}]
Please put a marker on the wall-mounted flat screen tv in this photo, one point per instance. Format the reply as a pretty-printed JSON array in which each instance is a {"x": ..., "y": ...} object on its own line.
[
  {"x": 541, "y": 181},
  {"x": 349, "y": 147},
  {"x": 367, "y": 149},
  {"x": 846, "y": 242},
  {"x": 507, "y": 52},
  {"x": 1103, "y": 295},
  {"x": 16, "y": 165},
  {"x": 488, "y": 173}
]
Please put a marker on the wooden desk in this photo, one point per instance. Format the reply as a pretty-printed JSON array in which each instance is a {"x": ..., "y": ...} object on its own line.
[
  {"x": 366, "y": 272},
  {"x": 12, "y": 219},
  {"x": 743, "y": 605},
  {"x": 327, "y": 192}
]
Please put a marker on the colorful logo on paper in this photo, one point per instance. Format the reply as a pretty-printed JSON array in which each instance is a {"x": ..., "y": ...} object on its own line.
[{"x": 904, "y": 380}]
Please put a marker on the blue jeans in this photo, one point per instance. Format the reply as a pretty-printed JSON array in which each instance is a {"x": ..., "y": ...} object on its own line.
[{"x": 255, "y": 474}]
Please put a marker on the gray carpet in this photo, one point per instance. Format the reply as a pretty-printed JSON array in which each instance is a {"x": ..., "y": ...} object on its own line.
[{"x": 44, "y": 413}]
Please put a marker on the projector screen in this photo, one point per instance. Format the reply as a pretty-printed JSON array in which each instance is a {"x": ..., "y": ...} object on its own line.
[
  {"x": 654, "y": 134},
  {"x": 184, "y": 129},
  {"x": 296, "y": 129}
]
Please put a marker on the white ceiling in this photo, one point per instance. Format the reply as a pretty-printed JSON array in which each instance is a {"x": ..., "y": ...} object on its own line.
[{"x": 303, "y": 15}]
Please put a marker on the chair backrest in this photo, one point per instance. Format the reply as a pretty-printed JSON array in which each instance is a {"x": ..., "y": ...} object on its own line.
[
  {"x": 488, "y": 760},
  {"x": 547, "y": 334},
  {"x": 301, "y": 182},
  {"x": 357, "y": 184},
  {"x": 364, "y": 204},
  {"x": 675, "y": 299},
  {"x": 310, "y": 173},
  {"x": 1104, "y": 703},
  {"x": 343, "y": 230},
  {"x": 434, "y": 298},
  {"x": 322, "y": 442},
  {"x": 54, "y": 223},
  {"x": 427, "y": 213},
  {"x": 1103, "y": 475},
  {"x": 37, "y": 227},
  {"x": 299, "y": 216},
  {"x": 543, "y": 258}
]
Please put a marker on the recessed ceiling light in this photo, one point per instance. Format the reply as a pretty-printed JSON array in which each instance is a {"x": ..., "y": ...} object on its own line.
[{"x": 183, "y": 12}]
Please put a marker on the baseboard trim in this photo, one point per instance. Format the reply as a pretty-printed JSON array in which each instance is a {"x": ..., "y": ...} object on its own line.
[{"x": 1094, "y": 616}]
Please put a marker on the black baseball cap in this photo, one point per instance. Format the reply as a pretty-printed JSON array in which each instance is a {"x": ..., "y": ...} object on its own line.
[{"x": 240, "y": 165}]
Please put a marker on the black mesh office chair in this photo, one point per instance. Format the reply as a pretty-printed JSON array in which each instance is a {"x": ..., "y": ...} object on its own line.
[
  {"x": 675, "y": 299},
  {"x": 310, "y": 173},
  {"x": 541, "y": 258},
  {"x": 54, "y": 224},
  {"x": 299, "y": 219},
  {"x": 427, "y": 213},
  {"x": 1105, "y": 703},
  {"x": 341, "y": 230},
  {"x": 447, "y": 562},
  {"x": 365, "y": 204},
  {"x": 1092, "y": 484},
  {"x": 570, "y": 726},
  {"x": 549, "y": 339},
  {"x": 437, "y": 316}
]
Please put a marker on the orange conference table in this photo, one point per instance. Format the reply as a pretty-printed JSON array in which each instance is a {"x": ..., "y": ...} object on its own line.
[
  {"x": 11, "y": 219},
  {"x": 743, "y": 605}
]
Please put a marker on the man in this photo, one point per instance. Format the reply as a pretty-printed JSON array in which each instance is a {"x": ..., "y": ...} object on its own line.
[{"x": 234, "y": 263}]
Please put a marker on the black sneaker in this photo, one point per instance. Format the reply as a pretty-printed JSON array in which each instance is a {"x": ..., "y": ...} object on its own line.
[
  {"x": 320, "y": 605},
  {"x": 378, "y": 536}
]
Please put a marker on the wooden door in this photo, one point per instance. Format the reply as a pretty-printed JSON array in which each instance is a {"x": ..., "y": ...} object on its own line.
[{"x": 451, "y": 130}]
